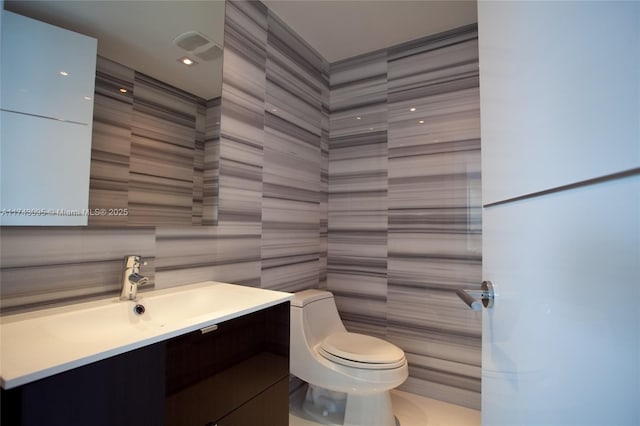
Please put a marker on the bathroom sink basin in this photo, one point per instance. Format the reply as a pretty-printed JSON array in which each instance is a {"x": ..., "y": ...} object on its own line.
[
  {"x": 95, "y": 323},
  {"x": 192, "y": 303},
  {"x": 41, "y": 343},
  {"x": 117, "y": 318},
  {"x": 153, "y": 310}
]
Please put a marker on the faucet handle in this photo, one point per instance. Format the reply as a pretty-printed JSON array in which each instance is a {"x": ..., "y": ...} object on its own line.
[
  {"x": 133, "y": 261},
  {"x": 138, "y": 279}
]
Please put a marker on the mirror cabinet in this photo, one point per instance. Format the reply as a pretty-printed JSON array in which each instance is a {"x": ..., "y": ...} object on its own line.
[{"x": 142, "y": 148}]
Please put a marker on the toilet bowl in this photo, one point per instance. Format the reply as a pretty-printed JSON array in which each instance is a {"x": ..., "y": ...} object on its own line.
[{"x": 349, "y": 374}]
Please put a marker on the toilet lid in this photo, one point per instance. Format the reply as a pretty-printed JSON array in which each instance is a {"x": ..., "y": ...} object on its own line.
[{"x": 361, "y": 351}]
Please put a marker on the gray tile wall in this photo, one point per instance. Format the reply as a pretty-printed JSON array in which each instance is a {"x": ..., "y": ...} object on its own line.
[
  {"x": 296, "y": 85},
  {"x": 358, "y": 192},
  {"x": 404, "y": 206},
  {"x": 149, "y": 150},
  {"x": 382, "y": 210}
]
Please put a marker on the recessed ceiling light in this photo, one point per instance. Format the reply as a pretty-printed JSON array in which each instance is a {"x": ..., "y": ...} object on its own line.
[
  {"x": 421, "y": 121},
  {"x": 123, "y": 90},
  {"x": 358, "y": 118},
  {"x": 412, "y": 109},
  {"x": 187, "y": 61},
  {"x": 87, "y": 98},
  {"x": 64, "y": 73}
]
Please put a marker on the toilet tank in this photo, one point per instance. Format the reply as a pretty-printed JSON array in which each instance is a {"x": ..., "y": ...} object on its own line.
[{"x": 317, "y": 311}]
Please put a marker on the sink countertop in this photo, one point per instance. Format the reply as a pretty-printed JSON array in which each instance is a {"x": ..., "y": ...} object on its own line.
[{"x": 42, "y": 343}]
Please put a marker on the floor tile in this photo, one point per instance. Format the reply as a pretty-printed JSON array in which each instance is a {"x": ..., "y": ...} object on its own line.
[{"x": 410, "y": 410}]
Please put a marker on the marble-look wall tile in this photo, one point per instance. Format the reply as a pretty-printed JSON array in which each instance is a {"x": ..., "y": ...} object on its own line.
[
  {"x": 163, "y": 144},
  {"x": 223, "y": 253},
  {"x": 292, "y": 162},
  {"x": 42, "y": 265},
  {"x": 324, "y": 180},
  {"x": 231, "y": 250},
  {"x": 211, "y": 165},
  {"x": 111, "y": 141},
  {"x": 449, "y": 61},
  {"x": 357, "y": 228},
  {"x": 434, "y": 213},
  {"x": 148, "y": 150},
  {"x": 197, "y": 163},
  {"x": 243, "y": 111},
  {"x": 404, "y": 205},
  {"x": 270, "y": 174}
]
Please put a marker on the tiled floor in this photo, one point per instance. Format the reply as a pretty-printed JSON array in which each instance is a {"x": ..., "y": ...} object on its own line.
[{"x": 410, "y": 410}]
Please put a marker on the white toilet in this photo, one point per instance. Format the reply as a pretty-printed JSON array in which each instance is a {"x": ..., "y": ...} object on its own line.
[{"x": 349, "y": 375}]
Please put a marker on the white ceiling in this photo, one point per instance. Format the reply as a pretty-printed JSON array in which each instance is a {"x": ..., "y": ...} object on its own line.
[
  {"x": 340, "y": 29},
  {"x": 139, "y": 33}
]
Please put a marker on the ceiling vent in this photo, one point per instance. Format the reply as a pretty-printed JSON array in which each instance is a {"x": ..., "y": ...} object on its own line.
[
  {"x": 209, "y": 54},
  {"x": 199, "y": 45}
]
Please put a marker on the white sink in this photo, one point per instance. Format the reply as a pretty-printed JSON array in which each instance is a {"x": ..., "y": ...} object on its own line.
[
  {"x": 195, "y": 302},
  {"x": 38, "y": 344},
  {"x": 117, "y": 318},
  {"x": 96, "y": 323}
]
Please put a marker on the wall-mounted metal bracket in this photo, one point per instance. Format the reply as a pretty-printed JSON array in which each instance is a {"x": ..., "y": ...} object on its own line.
[{"x": 486, "y": 296}]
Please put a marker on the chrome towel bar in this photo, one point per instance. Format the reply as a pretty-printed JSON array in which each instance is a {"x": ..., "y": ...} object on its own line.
[{"x": 486, "y": 296}]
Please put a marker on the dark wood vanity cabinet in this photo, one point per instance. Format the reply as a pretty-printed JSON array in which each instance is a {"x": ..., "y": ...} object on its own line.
[
  {"x": 126, "y": 389},
  {"x": 235, "y": 375}
]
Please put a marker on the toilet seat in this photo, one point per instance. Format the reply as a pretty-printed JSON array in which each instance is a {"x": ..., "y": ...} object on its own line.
[{"x": 361, "y": 351}]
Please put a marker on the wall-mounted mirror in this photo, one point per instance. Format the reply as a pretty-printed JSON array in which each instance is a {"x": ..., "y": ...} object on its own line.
[{"x": 156, "y": 118}]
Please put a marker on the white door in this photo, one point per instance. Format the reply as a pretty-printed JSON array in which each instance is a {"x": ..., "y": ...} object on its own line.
[
  {"x": 560, "y": 108},
  {"x": 560, "y": 345}
]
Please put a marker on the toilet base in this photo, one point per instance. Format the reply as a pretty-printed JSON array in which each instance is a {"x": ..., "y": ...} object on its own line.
[
  {"x": 325, "y": 406},
  {"x": 369, "y": 409},
  {"x": 341, "y": 409}
]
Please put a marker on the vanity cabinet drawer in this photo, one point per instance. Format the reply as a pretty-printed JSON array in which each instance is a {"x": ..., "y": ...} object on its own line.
[
  {"x": 211, "y": 376},
  {"x": 253, "y": 382},
  {"x": 266, "y": 409}
]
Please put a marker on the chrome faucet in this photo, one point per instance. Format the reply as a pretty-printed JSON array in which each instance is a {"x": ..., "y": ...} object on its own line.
[{"x": 131, "y": 278}]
